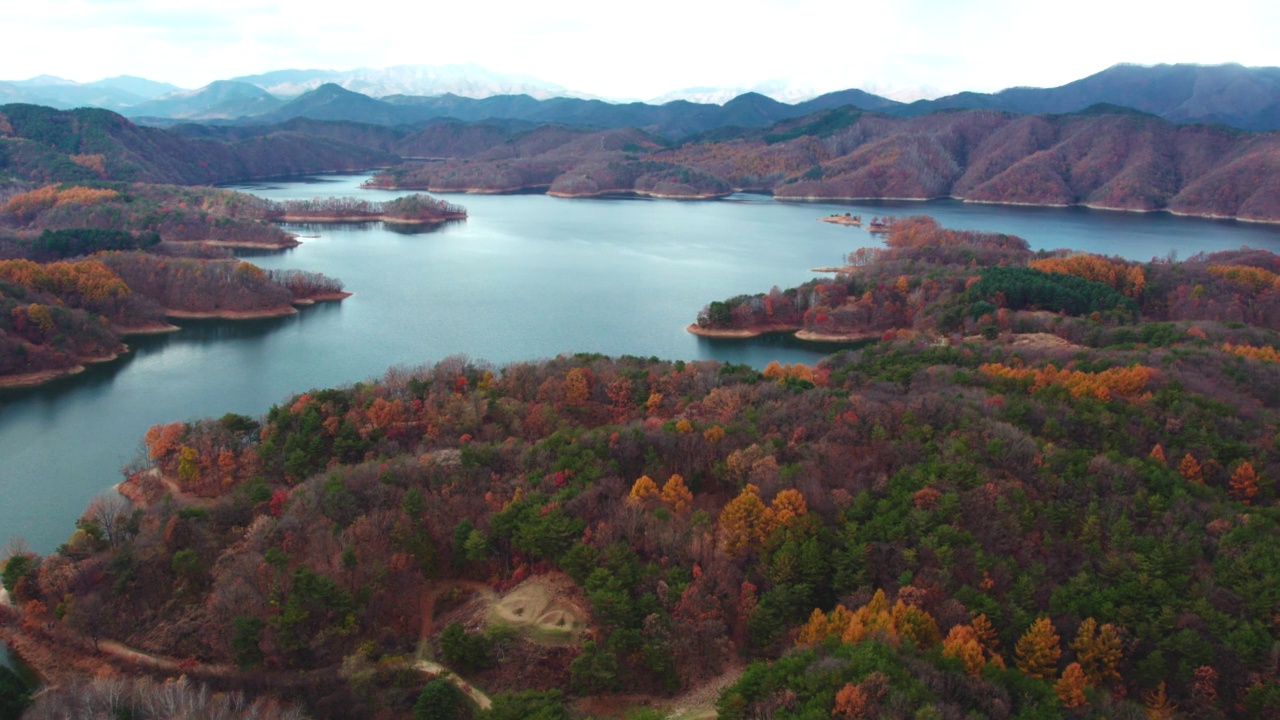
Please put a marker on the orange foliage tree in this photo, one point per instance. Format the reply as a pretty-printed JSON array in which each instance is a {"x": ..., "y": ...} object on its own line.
[
  {"x": 1070, "y": 687},
  {"x": 1244, "y": 482},
  {"x": 1191, "y": 469},
  {"x": 1128, "y": 383},
  {"x": 1265, "y": 353},
  {"x": 851, "y": 703}
]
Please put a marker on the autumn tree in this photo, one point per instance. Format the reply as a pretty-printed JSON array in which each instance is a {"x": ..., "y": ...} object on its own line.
[
  {"x": 742, "y": 520},
  {"x": 1191, "y": 469},
  {"x": 1157, "y": 454},
  {"x": 851, "y": 703},
  {"x": 676, "y": 494},
  {"x": 1244, "y": 482},
  {"x": 1099, "y": 651},
  {"x": 962, "y": 643},
  {"x": 643, "y": 489},
  {"x": 1158, "y": 705},
  {"x": 1070, "y": 687},
  {"x": 1037, "y": 651}
]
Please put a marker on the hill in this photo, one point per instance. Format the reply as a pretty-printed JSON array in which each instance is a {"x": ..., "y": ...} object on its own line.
[
  {"x": 1047, "y": 490},
  {"x": 1232, "y": 95},
  {"x": 39, "y": 144},
  {"x": 221, "y": 99},
  {"x": 1104, "y": 157}
]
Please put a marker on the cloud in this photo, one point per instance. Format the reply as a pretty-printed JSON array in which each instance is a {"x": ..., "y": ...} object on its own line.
[{"x": 639, "y": 50}]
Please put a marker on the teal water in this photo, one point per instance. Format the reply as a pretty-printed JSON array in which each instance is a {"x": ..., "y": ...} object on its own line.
[{"x": 526, "y": 277}]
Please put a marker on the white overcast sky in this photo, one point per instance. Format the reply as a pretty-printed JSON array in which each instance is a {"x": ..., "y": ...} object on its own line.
[{"x": 640, "y": 49}]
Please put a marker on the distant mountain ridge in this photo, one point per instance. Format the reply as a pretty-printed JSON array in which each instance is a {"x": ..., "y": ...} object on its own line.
[{"x": 1243, "y": 97}]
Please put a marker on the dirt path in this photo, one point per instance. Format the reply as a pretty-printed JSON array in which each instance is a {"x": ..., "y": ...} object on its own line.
[
  {"x": 700, "y": 702},
  {"x": 471, "y": 691}
]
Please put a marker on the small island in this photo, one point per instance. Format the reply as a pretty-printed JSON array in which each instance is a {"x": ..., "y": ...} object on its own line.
[
  {"x": 411, "y": 209},
  {"x": 845, "y": 219}
]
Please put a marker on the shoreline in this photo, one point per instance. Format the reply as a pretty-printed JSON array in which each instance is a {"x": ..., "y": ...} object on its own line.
[
  {"x": 274, "y": 312},
  {"x": 156, "y": 328},
  {"x": 40, "y": 377},
  {"x": 798, "y": 333},
  {"x": 636, "y": 193},
  {"x": 336, "y": 220},
  {"x": 322, "y": 298},
  {"x": 289, "y": 244},
  {"x": 545, "y": 189},
  {"x": 739, "y": 333}
]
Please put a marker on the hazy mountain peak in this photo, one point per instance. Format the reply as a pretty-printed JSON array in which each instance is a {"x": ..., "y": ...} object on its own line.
[
  {"x": 465, "y": 80},
  {"x": 44, "y": 80}
]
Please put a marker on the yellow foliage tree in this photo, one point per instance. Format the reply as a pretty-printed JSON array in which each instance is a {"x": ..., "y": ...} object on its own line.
[
  {"x": 1157, "y": 453},
  {"x": 1038, "y": 651},
  {"x": 876, "y": 620},
  {"x": 676, "y": 494},
  {"x": 643, "y": 489},
  {"x": 787, "y": 507},
  {"x": 1099, "y": 651},
  {"x": 577, "y": 388},
  {"x": 742, "y": 519},
  {"x": 1158, "y": 705}
]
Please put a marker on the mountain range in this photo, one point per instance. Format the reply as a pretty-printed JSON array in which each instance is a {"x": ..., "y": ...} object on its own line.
[{"x": 1243, "y": 97}]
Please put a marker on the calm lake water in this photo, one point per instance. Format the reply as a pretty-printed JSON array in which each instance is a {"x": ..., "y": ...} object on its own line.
[{"x": 526, "y": 277}]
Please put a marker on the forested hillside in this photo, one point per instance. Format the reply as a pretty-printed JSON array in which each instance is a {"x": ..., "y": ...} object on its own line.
[
  {"x": 1105, "y": 157},
  {"x": 42, "y": 145},
  {"x": 1075, "y": 521}
]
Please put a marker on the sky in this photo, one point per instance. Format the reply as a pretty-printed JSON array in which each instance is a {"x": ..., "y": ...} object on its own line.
[{"x": 910, "y": 48}]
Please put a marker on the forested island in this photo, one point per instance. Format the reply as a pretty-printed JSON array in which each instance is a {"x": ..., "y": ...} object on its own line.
[{"x": 1047, "y": 490}]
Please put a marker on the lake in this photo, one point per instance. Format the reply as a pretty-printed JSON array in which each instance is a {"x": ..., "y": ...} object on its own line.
[{"x": 526, "y": 277}]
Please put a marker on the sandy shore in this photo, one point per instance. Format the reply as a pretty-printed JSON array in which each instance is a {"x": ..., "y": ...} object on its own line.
[
  {"x": 157, "y": 328},
  {"x": 811, "y": 336},
  {"x": 231, "y": 314},
  {"x": 738, "y": 332},
  {"x": 638, "y": 193},
  {"x": 323, "y": 297},
  {"x": 23, "y": 380},
  {"x": 302, "y": 219},
  {"x": 798, "y": 333},
  {"x": 292, "y": 242}
]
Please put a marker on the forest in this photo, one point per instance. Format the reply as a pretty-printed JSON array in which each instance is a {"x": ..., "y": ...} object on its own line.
[
  {"x": 930, "y": 279},
  {"x": 1047, "y": 490}
]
